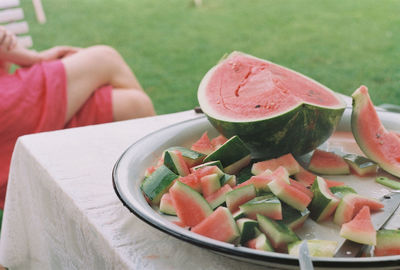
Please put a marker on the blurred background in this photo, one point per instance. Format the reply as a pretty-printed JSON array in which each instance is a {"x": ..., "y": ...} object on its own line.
[{"x": 171, "y": 44}]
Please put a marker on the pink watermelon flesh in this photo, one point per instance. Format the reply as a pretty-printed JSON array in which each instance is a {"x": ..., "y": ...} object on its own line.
[
  {"x": 287, "y": 161},
  {"x": 378, "y": 144},
  {"x": 351, "y": 204},
  {"x": 220, "y": 225},
  {"x": 210, "y": 184},
  {"x": 190, "y": 206},
  {"x": 203, "y": 145},
  {"x": 260, "y": 182},
  {"x": 274, "y": 88},
  {"x": 332, "y": 183},
  {"x": 289, "y": 194},
  {"x": 239, "y": 196},
  {"x": 305, "y": 177},
  {"x": 301, "y": 187},
  {"x": 167, "y": 205},
  {"x": 323, "y": 162},
  {"x": 191, "y": 180},
  {"x": 360, "y": 228},
  {"x": 218, "y": 197},
  {"x": 387, "y": 243},
  {"x": 218, "y": 141}
]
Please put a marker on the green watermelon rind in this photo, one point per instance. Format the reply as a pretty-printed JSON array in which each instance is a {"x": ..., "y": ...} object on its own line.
[
  {"x": 283, "y": 133},
  {"x": 387, "y": 241},
  {"x": 323, "y": 204}
]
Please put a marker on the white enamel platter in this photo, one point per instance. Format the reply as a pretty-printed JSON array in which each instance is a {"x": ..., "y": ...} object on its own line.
[{"x": 129, "y": 171}]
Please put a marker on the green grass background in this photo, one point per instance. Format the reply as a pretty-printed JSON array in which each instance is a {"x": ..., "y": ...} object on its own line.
[{"x": 171, "y": 44}]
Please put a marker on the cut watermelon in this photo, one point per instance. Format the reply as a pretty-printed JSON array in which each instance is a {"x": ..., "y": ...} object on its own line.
[
  {"x": 360, "y": 228},
  {"x": 305, "y": 177},
  {"x": 301, "y": 187},
  {"x": 289, "y": 194},
  {"x": 158, "y": 183},
  {"x": 191, "y": 180},
  {"x": 278, "y": 233},
  {"x": 387, "y": 243},
  {"x": 220, "y": 225},
  {"x": 351, "y": 204},
  {"x": 261, "y": 242},
  {"x": 341, "y": 191},
  {"x": 323, "y": 162},
  {"x": 316, "y": 248},
  {"x": 233, "y": 155},
  {"x": 207, "y": 170},
  {"x": 203, "y": 145},
  {"x": 239, "y": 196},
  {"x": 267, "y": 205},
  {"x": 167, "y": 205},
  {"x": 210, "y": 184},
  {"x": 190, "y": 206},
  {"x": 287, "y": 161},
  {"x": 191, "y": 157},
  {"x": 324, "y": 203},
  {"x": 377, "y": 143},
  {"x": 218, "y": 141},
  {"x": 360, "y": 165},
  {"x": 274, "y": 110},
  {"x": 247, "y": 229},
  {"x": 218, "y": 197},
  {"x": 174, "y": 161},
  {"x": 332, "y": 183},
  {"x": 293, "y": 218},
  {"x": 208, "y": 164},
  {"x": 260, "y": 182}
]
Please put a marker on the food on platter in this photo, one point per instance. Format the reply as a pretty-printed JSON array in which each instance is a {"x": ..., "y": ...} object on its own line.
[{"x": 273, "y": 109}]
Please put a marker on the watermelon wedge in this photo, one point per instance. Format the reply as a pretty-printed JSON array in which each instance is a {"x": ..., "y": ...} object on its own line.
[
  {"x": 377, "y": 143},
  {"x": 273, "y": 109},
  {"x": 324, "y": 203},
  {"x": 360, "y": 228},
  {"x": 220, "y": 225},
  {"x": 323, "y": 162},
  {"x": 287, "y": 161},
  {"x": 191, "y": 208},
  {"x": 387, "y": 243},
  {"x": 203, "y": 145}
]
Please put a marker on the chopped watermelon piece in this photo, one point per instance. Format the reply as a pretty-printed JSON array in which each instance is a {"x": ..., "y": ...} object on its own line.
[
  {"x": 247, "y": 229},
  {"x": 360, "y": 228},
  {"x": 218, "y": 141},
  {"x": 294, "y": 218},
  {"x": 260, "y": 182},
  {"x": 239, "y": 196},
  {"x": 174, "y": 161},
  {"x": 287, "y": 161},
  {"x": 191, "y": 207},
  {"x": 387, "y": 243},
  {"x": 323, "y": 162},
  {"x": 220, "y": 225},
  {"x": 207, "y": 170},
  {"x": 324, "y": 203},
  {"x": 351, "y": 204},
  {"x": 360, "y": 165},
  {"x": 218, "y": 197},
  {"x": 210, "y": 184},
  {"x": 278, "y": 233},
  {"x": 267, "y": 205},
  {"x": 301, "y": 187},
  {"x": 192, "y": 181},
  {"x": 316, "y": 248},
  {"x": 261, "y": 242},
  {"x": 305, "y": 177},
  {"x": 167, "y": 205},
  {"x": 289, "y": 194},
  {"x": 203, "y": 145},
  {"x": 332, "y": 183}
]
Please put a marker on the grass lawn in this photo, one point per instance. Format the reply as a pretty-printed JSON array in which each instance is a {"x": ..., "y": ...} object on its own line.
[{"x": 170, "y": 44}]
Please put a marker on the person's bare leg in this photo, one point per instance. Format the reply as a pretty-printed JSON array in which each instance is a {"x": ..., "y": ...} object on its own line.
[
  {"x": 130, "y": 104},
  {"x": 93, "y": 67}
]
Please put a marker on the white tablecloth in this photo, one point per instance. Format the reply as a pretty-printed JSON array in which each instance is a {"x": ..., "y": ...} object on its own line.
[{"x": 62, "y": 212}]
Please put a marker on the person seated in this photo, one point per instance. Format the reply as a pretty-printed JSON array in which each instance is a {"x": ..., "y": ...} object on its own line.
[{"x": 62, "y": 87}]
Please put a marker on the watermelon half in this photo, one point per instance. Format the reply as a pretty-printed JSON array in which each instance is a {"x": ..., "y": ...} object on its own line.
[
  {"x": 274, "y": 110},
  {"x": 377, "y": 143}
]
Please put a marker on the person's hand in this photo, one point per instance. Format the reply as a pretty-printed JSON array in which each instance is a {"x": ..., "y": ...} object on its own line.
[
  {"x": 8, "y": 41},
  {"x": 57, "y": 52}
]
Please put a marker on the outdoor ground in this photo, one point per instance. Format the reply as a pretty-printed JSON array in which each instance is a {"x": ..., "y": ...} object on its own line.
[{"x": 170, "y": 44}]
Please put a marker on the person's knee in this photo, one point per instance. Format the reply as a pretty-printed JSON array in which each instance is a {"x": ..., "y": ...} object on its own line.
[{"x": 129, "y": 104}]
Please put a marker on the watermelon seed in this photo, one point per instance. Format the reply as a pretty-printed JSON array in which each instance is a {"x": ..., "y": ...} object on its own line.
[
  {"x": 257, "y": 106},
  {"x": 378, "y": 135}
]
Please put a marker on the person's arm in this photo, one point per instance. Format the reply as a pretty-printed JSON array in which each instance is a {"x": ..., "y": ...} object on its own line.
[{"x": 10, "y": 51}]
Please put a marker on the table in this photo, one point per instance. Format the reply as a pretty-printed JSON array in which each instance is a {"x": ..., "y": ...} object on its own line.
[{"x": 62, "y": 212}]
